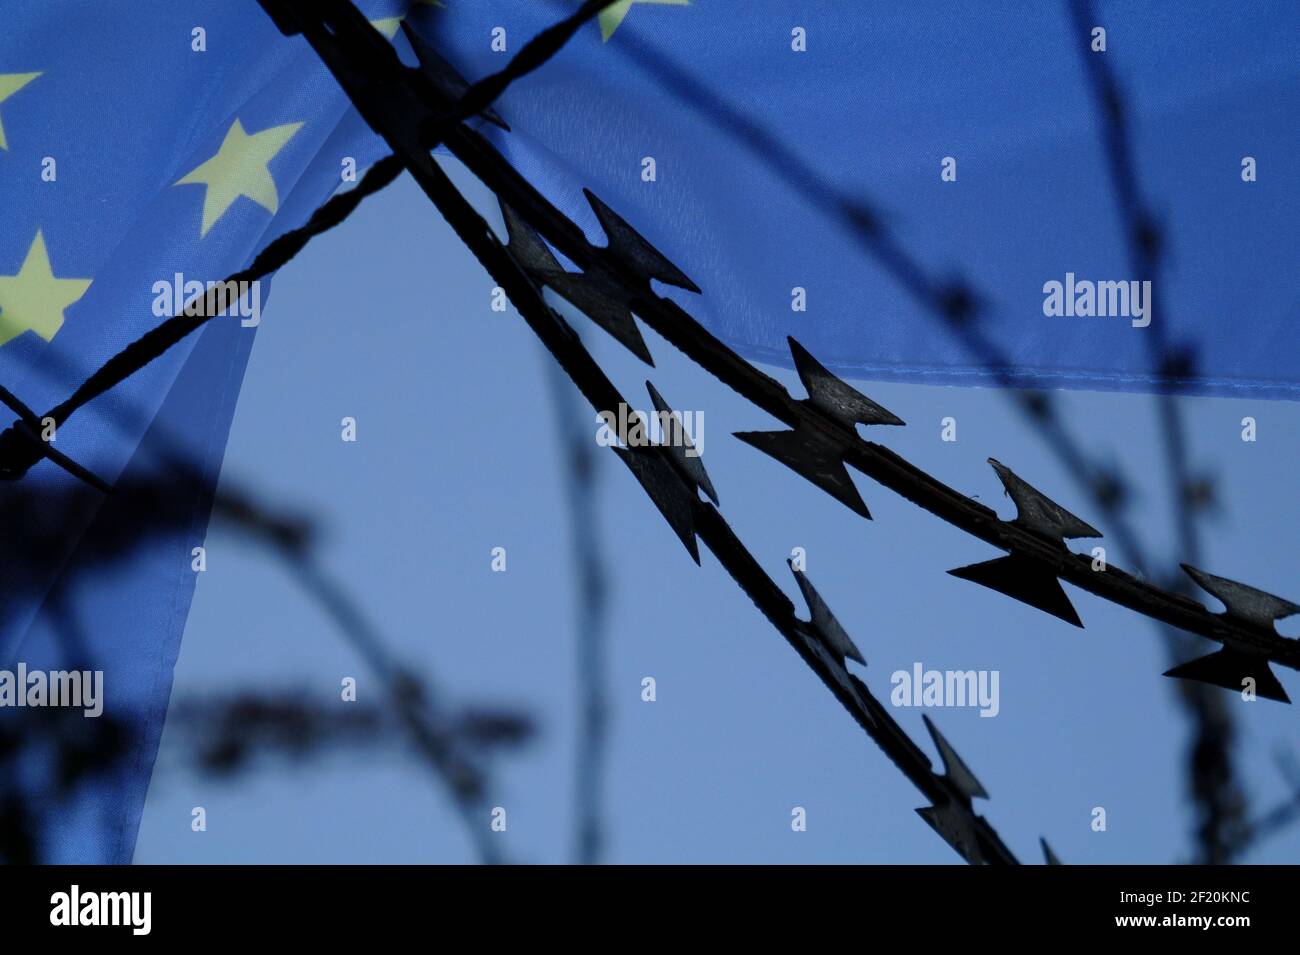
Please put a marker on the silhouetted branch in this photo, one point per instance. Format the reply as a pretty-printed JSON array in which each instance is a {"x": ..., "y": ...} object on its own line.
[
  {"x": 590, "y": 599},
  {"x": 1282, "y": 815},
  {"x": 1221, "y": 802},
  {"x": 224, "y": 733},
  {"x": 448, "y": 742}
]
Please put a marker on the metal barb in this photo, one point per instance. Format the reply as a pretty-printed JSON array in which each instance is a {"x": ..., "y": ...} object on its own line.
[
  {"x": 814, "y": 456},
  {"x": 1242, "y": 600},
  {"x": 1049, "y": 857},
  {"x": 666, "y": 490},
  {"x": 955, "y": 826},
  {"x": 527, "y": 247},
  {"x": 1025, "y": 580},
  {"x": 954, "y": 767},
  {"x": 605, "y": 304},
  {"x": 824, "y": 624},
  {"x": 1038, "y": 512},
  {"x": 1231, "y": 669},
  {"x": 691, "y": 466},
  {"x": 832, "y": 395},
  {"x": 638, "y": 255}
]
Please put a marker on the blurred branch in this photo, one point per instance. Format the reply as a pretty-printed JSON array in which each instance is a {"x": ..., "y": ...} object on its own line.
[
  {"x": 154, "y": 507},
  {"x": 1249, "y": 835},
  {"x": 1220, "y": 800},
  {"x": 418, "y": 713},
  {"x": 225, "y": 732},
  {"x": 590, "y": 606}
]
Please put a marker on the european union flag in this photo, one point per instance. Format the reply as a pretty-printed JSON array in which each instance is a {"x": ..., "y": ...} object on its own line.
[{"x": 146, "y": 149}]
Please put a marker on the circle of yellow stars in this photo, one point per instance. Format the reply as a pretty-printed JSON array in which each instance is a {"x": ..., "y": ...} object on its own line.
[{"x": 34, "y": 299}]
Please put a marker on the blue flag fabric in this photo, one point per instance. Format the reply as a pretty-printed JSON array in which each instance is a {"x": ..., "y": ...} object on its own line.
[
  {"x": 973, "y": 133},
  {"x": 142, "y": 147}
]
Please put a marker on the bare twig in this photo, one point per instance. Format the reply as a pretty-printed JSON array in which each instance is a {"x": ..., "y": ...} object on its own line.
[
  {"x": 591, "y": 587},
  {"x": 1221, "y": 802}
]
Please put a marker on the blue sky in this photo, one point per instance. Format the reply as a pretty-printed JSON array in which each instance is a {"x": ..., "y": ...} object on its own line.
[{"x": 388, "y": 320}]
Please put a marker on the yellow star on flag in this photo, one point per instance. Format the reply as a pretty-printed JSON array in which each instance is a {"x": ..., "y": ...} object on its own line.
[
  {"x": 34, "y": 300},
  {"x": 11, "y": 83},
  {"x": 612, "y": 16},
  {"x": 387, "y": 25},
  {"x": 240, "y": 169}
]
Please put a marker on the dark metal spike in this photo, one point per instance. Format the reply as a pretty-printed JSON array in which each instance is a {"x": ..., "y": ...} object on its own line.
[
  {"x": 955, "y": 826},
  {"x": 666, "y": 490},
  {"x": 606, "y": 307},
  {"x": 1243, "y": 601},
  {"x": 831, "y": 394},
  {"x": 1038, "y": 512},
  {"x": 1228, "y": 668},
  {"x": 691, "y": 465},
  {"x": 527, "y": 246},
  {"x": 443, "y": 76},
  {"x": 1024, "y": 580},
  {"x": 634, "y": 251},
  {"x": 1049, "y": 857},
  {"x": 954, "y": 767},
  {"x": 824, "y": 624},
  {"x": 814, "y": 457}
]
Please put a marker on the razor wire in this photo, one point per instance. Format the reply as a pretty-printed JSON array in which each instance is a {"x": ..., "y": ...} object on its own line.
[
  {"x": 615, "y": 283},
  {"x": 955, "y": 302}
]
